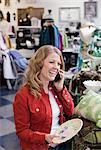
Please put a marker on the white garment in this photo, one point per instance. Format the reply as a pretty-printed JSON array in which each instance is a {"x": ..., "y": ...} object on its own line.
[
  {"x": 5, "y": 26},
  {"x": 7, "y": 67},
  {"x": 2, "y": 43},
  {"x": 55, "y": 113},
  {"x": 86, "y": 34}
]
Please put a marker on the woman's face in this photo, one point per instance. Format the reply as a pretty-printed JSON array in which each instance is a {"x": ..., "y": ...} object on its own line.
[{"x": 51, "y": 67}]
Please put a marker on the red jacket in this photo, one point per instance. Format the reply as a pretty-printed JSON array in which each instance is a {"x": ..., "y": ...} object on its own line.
[{"x": 33, "y": 118}]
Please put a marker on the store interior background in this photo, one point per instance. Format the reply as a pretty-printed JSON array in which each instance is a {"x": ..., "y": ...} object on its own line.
[{"x": 48, "y": 4}]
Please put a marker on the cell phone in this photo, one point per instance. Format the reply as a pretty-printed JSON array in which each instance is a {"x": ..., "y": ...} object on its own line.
[{"x": 57, "y": 78}]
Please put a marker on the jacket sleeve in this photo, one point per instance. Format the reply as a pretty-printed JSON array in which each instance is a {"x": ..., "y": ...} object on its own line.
[
  {"x": 66, "y": 100},
  {"x": 22, "y": 121}
]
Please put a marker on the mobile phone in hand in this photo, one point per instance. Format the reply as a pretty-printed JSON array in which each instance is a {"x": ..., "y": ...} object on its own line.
[{"x": 57, "y": 78}]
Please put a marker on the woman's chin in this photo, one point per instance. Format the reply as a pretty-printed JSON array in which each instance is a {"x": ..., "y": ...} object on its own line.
[{"x": 52, "y": 78}]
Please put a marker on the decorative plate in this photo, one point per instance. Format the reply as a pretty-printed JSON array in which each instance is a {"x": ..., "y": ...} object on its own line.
[{"x": 67, "y": 130}]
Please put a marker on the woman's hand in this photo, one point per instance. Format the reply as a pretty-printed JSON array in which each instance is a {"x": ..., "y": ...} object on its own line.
[
  {"x": 49, "y": 139},
  {"x": 59, "y": 84}
]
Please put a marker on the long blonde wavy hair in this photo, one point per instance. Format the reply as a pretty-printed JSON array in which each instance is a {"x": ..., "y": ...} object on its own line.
[{"x": 35, "y": 66}]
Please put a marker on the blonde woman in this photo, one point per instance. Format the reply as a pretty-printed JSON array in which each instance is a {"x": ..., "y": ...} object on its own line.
[{"x": 39, "y": 105}]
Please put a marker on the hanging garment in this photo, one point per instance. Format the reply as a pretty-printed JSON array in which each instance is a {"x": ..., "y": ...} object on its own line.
[
  {"x": 57, "y": 38},
  {"x": 47, "y": 36},
  {"x": 8, "y": 41},
  {"x": 19, "y": 60},
  {"x": 2, "y": 42},
  {"x": 50, "y": 36},
  {"x": 11, "y": 74},
  {"x": 60, "y": 42},
  {"x": 65, "y": 41}
]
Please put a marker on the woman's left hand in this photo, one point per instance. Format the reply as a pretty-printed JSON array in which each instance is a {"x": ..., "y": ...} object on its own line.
[
  {"x": 59, "y": 84},
  {"x": 53, "y": 145}
]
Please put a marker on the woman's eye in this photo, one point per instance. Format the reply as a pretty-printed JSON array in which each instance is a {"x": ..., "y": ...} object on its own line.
[
  {"x": 59, "y": 64},
  {"x": 51, "y": 62}
]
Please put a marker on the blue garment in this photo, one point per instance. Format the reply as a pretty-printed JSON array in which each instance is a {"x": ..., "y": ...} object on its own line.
[
  {"x": 15, "y": 54},
  {"x": 45, "y": 37},
  {"x": 50, "y": 36},
  {"x": 56, "y": 34},
  {"x": 22, "y": 63},
  {"x": 80, "y": 57},
  {"x": 19, "y": 60}
]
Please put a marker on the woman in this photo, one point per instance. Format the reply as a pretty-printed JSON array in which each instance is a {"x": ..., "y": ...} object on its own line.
[{"x": 39, "y": 105}]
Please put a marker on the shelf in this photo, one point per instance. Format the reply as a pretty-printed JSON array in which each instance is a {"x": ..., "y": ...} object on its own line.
[{"x": 29, "y": 27}]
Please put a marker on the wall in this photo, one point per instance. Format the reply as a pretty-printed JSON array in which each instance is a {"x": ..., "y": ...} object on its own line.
[{"x": 49, "y": 4}]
